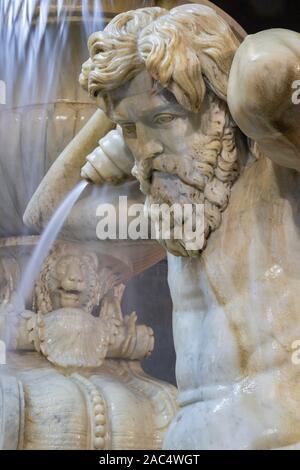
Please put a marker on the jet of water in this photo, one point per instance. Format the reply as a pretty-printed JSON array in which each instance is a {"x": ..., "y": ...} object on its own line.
[{"x": 45, "y": 243}]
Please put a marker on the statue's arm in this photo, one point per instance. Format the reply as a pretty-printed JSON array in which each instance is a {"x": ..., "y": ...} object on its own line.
[
  {"x": 64, "y": 174},
  {"x": 105, "y": 161},
  {"x": 264, "y": 95}
]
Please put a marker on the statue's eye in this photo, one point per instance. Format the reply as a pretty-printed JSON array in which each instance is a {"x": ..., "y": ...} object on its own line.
[
  {"x": 164, "y": 118},
  {"x": 129, "y": 130}
]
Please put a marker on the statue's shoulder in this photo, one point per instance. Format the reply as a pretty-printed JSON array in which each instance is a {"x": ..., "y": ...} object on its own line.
[
  {"x": 11, "y": 412},
  {"x": 258, "y": 175}
]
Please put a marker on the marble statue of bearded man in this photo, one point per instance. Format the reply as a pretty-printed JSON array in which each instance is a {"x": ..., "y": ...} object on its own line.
[{"x": 186, "y": 94}]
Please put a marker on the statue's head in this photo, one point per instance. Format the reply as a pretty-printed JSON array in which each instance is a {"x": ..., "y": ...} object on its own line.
[
  {"x": 162, "y": 75},
  {"x": 70, "y": 278},
  {"x": 67, "y": 298}
]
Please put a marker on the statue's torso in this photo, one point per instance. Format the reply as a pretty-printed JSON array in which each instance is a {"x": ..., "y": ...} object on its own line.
[{"x": 236, "y": 315}]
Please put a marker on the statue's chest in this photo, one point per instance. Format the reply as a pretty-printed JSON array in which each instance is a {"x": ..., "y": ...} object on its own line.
[
  {"x": 259, "y": 238},
  {"x": 258, "y": 243},
  {"x": 244, "y": 290}
]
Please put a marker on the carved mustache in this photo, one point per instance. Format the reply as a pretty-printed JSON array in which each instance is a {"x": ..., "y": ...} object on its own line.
[{"x": 191, "y": 171}]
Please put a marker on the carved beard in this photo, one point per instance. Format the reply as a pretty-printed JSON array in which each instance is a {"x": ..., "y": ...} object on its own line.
[{"x": 204, "y": 175}]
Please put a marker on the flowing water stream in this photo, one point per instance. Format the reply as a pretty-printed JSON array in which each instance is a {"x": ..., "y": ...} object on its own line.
[{"x": 46, "y": 241}]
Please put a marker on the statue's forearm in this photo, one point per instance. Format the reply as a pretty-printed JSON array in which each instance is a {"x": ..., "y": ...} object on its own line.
[
  {"x": 109, "y": 162},
  {"x": 260, "y": 93}
]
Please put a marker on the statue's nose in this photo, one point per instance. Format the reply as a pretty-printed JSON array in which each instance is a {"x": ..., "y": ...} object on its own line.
[
  {"x": 74, "y": 278},
  {"x": 149, "y": 145}
]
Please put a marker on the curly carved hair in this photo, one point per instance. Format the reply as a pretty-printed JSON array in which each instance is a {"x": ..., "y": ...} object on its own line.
[
  {"x": 101, "y": 281},
  {"x": 184, "y": 49}
]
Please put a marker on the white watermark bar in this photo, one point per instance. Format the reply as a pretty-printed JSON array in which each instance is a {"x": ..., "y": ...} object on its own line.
[{"x": 156, "y": 222}]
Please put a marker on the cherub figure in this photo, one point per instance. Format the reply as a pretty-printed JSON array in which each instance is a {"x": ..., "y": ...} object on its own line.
[
  {"x": 76, "y": 319},
  {"x": 73, "y": 377}
]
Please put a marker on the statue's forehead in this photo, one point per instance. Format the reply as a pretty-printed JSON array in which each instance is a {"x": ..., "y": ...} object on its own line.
[
  {"x": 142, "y": 83},
  {"x": 138, "y": 97}
]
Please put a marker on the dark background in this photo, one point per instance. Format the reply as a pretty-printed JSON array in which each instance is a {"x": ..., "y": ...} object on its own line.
[
  {"x": 148, "y": 293},
  {"x": 256, "y": 15}
]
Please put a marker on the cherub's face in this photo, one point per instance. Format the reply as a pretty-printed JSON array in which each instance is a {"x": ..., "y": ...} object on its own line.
[{"x": 69, "y": 282}]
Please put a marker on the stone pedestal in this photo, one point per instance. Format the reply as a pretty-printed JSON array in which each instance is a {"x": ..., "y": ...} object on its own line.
[
  {"x": 116, "y": 406},
  {"x": 72, "y": 378}
]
